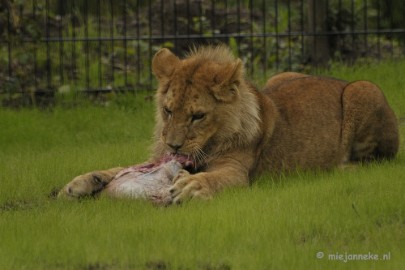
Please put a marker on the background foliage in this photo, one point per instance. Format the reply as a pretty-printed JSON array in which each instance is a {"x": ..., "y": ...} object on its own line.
[{"x": 70, "y": 47}]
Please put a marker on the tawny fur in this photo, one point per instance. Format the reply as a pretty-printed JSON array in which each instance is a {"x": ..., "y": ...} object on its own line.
[
  {"x": 89, "y": 183},
  {"x": 206, "y": 108}
]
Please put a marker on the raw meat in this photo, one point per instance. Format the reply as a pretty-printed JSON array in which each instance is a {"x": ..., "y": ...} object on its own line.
[{"x": 149, "y": 181}]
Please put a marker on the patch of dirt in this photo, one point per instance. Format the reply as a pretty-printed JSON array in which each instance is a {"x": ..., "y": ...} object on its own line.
[
  {"x": 17, "y": 205},
  {"x": 99, "y": 266},
  {"x": 220, "y": 266},
  {"x": 107, "y": 266},
  {"x": 156, "y": 265},
  {"x": 150, "y": 265}
]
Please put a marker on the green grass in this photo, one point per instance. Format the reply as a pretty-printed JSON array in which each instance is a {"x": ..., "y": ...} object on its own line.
[{"x": 275, "y": 224}]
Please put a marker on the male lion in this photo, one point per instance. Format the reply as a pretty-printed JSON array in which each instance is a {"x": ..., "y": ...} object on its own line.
[{"x": 206, "y": 109}]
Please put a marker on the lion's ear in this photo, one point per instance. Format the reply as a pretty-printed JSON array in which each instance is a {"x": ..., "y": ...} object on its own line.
[
  {"x": 227, "y": 82},
  {"x": 163, "y": 64}
]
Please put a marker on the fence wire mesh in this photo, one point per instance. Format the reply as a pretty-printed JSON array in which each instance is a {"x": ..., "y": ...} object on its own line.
[{"x": 50, "y": 47}]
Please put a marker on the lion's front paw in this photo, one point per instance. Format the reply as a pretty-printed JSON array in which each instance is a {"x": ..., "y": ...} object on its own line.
[
  {"x": 85, "y": 185},
  {"x": 187, "y": 186}
]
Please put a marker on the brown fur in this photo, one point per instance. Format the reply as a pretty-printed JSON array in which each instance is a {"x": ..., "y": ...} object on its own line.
[
  {"x": 205, "y": 108},
  {"x": 88, "y": 184},
  {"x": 325, "y": 122}
]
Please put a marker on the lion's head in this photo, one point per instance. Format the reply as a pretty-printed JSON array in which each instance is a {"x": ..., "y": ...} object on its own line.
[{"x": 204, "y": 106}]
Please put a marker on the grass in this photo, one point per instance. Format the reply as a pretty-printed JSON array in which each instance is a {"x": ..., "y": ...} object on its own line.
[{"x": 278, "y": 223}]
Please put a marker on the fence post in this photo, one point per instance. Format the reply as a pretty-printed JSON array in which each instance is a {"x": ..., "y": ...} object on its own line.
[{"x": 317, "y": 44}]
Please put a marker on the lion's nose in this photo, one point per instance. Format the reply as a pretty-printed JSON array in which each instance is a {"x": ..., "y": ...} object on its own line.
[{"x": 175, "y": 147}]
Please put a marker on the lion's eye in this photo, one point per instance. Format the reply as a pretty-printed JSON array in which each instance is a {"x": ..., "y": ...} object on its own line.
[
  {"x": 167, "y": 111},
  {"x": 197, "y": 116}
]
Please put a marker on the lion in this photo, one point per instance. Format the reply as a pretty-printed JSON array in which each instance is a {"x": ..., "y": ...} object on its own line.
[{"x": 208, "y": 110}]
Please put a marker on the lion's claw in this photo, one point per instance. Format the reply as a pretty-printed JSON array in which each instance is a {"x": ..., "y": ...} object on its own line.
[{"x": 187, "y": 186}]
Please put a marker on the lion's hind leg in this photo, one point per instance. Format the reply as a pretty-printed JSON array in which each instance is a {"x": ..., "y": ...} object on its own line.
[{"x": 369, "y": 127}]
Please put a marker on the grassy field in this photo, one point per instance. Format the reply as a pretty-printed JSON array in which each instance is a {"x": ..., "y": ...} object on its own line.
[{"x": 302, "y": 221}]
